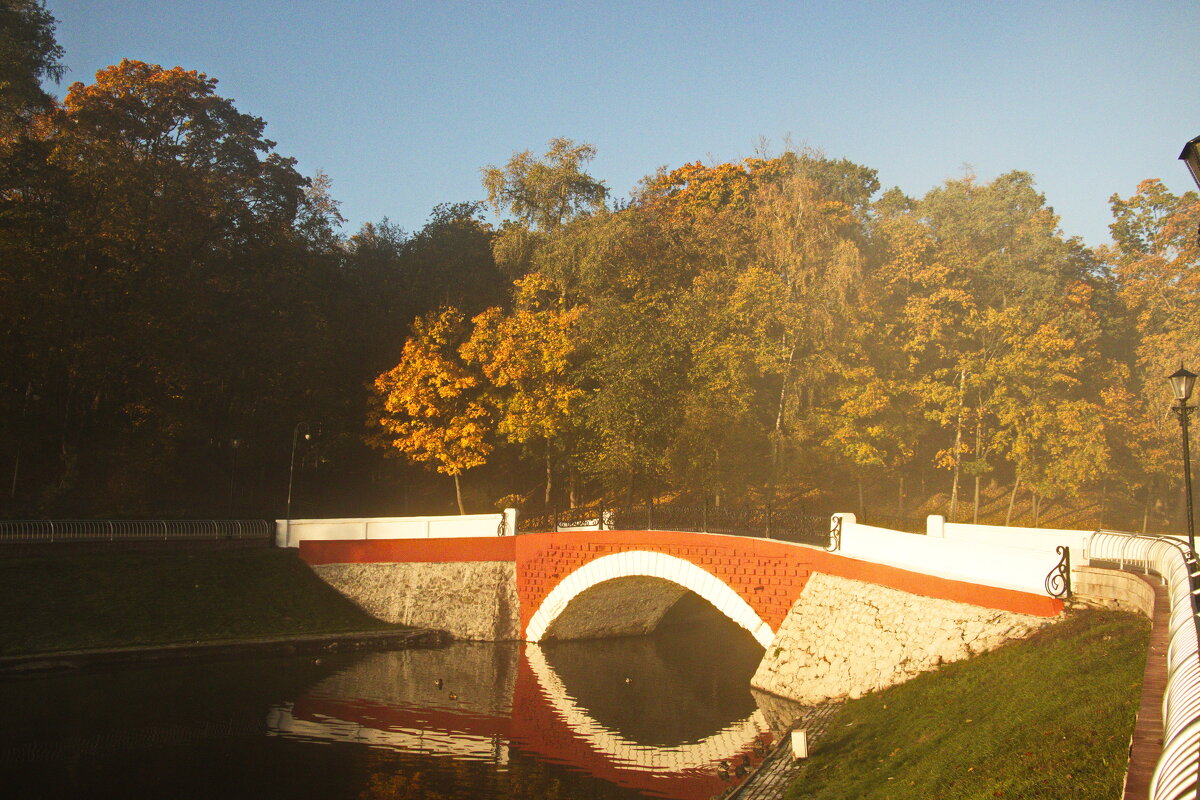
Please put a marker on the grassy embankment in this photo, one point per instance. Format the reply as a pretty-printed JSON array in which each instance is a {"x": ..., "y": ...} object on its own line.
[
  {"x": 67, "y": 600},
  {"x": 1047, "y": 717}
]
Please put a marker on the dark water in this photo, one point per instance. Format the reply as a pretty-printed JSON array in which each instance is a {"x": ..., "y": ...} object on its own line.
[{"x": 625, "y": 718}]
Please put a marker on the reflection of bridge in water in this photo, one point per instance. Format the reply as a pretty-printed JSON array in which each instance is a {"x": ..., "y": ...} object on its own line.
[{"x": 668, "y": 715}]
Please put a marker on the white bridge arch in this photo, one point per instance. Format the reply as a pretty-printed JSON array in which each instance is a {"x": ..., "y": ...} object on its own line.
[{"x": 647, "y": 563}]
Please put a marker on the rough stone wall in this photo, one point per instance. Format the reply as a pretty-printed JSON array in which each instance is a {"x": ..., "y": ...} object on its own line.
[
  {"x": 844, "y": 638},
  {"x": 623, "y": 607},
  {"x": 468, "y": 599}
]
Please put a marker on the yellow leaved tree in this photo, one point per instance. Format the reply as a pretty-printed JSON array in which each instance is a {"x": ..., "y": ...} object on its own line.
[
  {"x": 432, "y": 403},
  {"x": 526, "y": 354}
]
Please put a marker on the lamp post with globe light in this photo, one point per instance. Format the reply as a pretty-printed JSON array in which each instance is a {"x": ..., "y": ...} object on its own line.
[
  {"x": 1182, "y": 383},
  {"x": 292, "y": 469}
]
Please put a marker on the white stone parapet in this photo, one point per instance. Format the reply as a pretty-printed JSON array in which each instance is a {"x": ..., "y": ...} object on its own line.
[{"x": 289, "y": 533}]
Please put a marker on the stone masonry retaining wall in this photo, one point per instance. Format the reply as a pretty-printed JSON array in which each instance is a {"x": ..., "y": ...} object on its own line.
[
  {"x": 843, "y": 638},
  {"x": 468, "y": 599},
  {"x": 1112, "y": 588}
]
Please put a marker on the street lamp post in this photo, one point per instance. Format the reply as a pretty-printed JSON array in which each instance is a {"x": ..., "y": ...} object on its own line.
[
  {"x": 1182, "y": 382},
  {"x": 292, "y": 469},
  {"x": 234, "y": 444}
]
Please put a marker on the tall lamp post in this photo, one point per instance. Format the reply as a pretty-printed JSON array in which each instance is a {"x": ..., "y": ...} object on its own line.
[
  {"x": 292, "y": 469},
  {"x": 234, "y": 444},
  {"x": 1182, "y": 382}
]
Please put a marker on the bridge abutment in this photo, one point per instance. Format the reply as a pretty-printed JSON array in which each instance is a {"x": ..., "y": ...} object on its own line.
[{"x": 844, "y": 638}]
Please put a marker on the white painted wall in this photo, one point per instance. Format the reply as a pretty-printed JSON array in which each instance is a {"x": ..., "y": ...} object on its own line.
[
  {"x": 290, "y": 534},
  {"x": 983, "y": 562},
  {"x": 1042, "y": 539}
]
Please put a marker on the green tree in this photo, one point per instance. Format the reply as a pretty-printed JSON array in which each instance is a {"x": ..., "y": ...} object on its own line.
[
  {"x": 541, "y": 194},
  {"x": 544, "y": 193},
  {"x": 29, "y": 54}
]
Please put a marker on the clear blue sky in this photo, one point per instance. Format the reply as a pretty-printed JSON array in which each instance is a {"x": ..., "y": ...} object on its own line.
[{"x": 402, "y": 103}]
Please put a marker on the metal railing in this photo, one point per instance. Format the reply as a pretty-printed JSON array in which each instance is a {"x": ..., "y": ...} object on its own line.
[
  {"x": 46, "y": 531},
  {"x": 1177, "y": 774},
  {"x": 786, "y": 525}
]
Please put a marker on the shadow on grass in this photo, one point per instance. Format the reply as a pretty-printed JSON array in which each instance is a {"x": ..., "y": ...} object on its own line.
[{"x": 79, "y": 600}]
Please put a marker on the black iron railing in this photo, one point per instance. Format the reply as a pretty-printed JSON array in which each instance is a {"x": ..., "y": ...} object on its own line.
[
  {"x": 49, "y": 531},
  {"x": 791, "y": 525}
]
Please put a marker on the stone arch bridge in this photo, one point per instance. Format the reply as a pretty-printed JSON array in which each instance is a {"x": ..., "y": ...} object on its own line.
[{"x": 886, "y": 606}]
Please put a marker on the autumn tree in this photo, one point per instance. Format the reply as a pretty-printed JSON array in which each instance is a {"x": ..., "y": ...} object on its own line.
[
  {"x": 1155, "y": 259},
  {"x": 527, "y": 356},
  {"x": 432, "y": 406}
]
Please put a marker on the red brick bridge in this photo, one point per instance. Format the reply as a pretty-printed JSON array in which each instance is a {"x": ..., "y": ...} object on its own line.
[{"x": 752, "y": 581}]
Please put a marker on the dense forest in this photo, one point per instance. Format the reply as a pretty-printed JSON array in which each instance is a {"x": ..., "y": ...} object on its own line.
[{"x": 186, "y": 328}]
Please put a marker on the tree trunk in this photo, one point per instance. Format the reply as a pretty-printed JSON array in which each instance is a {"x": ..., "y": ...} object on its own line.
[
  {"x": 458, "y": 494},
  {"x": 571, "y": 499},
  {"x": 978, "y": 444},
  {"x": 962, "y": 387},
  {"x": 1037, "y": 507},
  {"x": 860, "y": 498},
  {"x": 1103, "y": 503},
  {"x": 549, "y": 475},
  {"x": 778, "y": 432},
  {"x": 975, "y": 514},
  {"x": 900, "y": 497},
  {"x": 1146, "y": 508},
  {"x": 1012, "y": 498}
]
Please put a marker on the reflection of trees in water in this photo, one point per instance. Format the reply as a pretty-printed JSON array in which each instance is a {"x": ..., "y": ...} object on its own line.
[
  {"x": 687, "y": 681},
  {"x": 480, "y": 675},
  {"x": 396, "y": 776}
]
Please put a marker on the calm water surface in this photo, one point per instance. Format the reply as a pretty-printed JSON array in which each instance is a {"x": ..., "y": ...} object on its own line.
[{"x": 669, "y": 715}]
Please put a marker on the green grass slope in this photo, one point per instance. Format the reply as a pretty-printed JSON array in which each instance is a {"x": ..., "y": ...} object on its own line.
[
  {"x": 68, "y": 600},
  {"x": 1047, "y": 717}
]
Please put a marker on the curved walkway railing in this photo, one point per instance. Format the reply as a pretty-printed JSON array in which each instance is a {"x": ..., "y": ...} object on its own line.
[
  {"x": 40, "y": 531},
  {"x": 1177, "y": 774}
]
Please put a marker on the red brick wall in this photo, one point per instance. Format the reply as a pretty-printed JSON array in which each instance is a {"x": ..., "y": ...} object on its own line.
[{"x": 767, "y": 575}]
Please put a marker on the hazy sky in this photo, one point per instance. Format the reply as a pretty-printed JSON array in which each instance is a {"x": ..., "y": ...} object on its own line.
[{"x": 402, "y": 103}]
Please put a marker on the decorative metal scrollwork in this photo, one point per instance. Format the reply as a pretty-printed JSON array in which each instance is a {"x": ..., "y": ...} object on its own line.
[
  {"x": 502, "y": 528},
  {"x": 835, "y": 535},
  {"x": 1058, "y": 582}
]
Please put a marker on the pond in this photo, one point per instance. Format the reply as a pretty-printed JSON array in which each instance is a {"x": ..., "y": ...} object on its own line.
[{"x": 669, "y": 715}]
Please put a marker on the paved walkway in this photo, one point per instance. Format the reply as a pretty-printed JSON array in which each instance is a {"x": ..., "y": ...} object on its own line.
[
  {"x": 772, "y": 777},
  {"x": 1148, "y": 732},
  {"x": 37, "y": 663}
]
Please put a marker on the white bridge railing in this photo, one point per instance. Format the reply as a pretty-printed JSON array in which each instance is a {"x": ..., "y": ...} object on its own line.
[
  {"x": 1177, "y": 774},
  {"x": 289, "y": 533}
]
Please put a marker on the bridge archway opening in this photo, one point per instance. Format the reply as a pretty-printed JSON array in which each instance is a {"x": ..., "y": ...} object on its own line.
[{"x": 630, "y": 593}]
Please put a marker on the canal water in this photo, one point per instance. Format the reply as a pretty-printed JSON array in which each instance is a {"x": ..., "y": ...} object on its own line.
[{"x": 669, "y": 715}]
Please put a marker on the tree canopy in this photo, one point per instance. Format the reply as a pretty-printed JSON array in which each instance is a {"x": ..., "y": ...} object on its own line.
[{"x": 176, "y": 297}]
